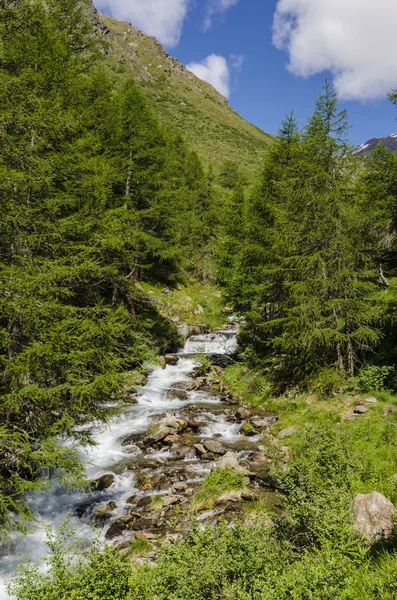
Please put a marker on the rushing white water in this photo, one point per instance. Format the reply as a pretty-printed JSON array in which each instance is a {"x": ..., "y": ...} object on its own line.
[
  {"x": 221, "y": 342},
  {"x": 102, "y": 458}
]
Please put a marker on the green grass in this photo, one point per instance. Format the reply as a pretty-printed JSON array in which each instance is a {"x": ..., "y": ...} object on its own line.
[
  {"x": 219, "y": 482},
  {"x": 185, "y": 103},
  {"x": 194, "y": 304},
  {"x": 139, "y": 547}
]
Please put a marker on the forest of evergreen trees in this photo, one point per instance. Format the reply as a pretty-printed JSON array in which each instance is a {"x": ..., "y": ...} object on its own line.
[
  {"x": 309, "y": 256},
  {"x": 94, "y": 195}
]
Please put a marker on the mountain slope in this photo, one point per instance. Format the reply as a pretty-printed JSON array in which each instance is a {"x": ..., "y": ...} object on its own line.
[
  {"x": 390, "y": 141},
  {"x": 184, "y": 102}
]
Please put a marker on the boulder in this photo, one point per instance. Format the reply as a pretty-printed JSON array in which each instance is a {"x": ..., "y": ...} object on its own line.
[
  {"x": 248, "y": 430},
  {"x": 175, "y": 423},
  {"x": 171, "y": 439},
  {"x": 175, "y": 394},
  {"x": 180, "y": 486},
  {"x": 103, "y": 483},
  {"x": 242, "y": 414},
  {"x": 371, "y": 400},
  {"x": 200, "y": 450},
  {"x": 144, "y": 524},
  {"x": 171, "y": 359},
  {"x": 120, "y": 526},
  {"x": 162, "y": 362},
  {"x": 286, "y": 432},
  {"x": 186, "y": 331},
  {"x": 103, "y": 514},
  {"x": 164, "y": 428},
  {"x": 159, "y": 434},
  {"x": 230, "y": 460},
  {"x": 170, "y": 500},
  {"x": 373, "y": 516},
  {"x": 360, "y": 410},
  {"x": 214, "y": 447},
  {"x": 260, "y": 423}
]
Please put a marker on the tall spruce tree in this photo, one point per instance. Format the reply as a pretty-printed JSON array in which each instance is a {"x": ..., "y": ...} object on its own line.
[{"x": 310, "y": 290}]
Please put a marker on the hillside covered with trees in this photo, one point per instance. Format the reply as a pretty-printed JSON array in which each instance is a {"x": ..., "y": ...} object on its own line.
[{"x": 108, "y": 216}]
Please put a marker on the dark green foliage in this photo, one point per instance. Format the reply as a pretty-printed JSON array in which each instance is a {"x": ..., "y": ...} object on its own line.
[
  {"x": 94, "y": 196},
  {"x": 306, "y": 277}
]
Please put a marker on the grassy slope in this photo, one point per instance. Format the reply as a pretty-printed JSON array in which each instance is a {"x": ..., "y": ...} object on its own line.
[{"x": 185, "y": 103}]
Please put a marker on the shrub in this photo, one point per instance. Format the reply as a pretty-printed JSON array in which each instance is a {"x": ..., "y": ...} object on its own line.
[{"x": 376, "y": 379}]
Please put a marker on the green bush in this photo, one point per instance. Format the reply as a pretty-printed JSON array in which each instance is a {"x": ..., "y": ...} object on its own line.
[
  {"x": 376, "y": 379},
  {"x": 75, "y": 572}
]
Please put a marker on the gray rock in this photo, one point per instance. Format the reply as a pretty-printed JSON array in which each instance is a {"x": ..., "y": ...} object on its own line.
[
  {"x": 373, "y": 516},
  {"x": 200, "y": 450},
  {"x": 230, "y": 460},
  {"x": 171, "y": 359},
  {"x": 170, "y": 500},
  {"x": 242, "y": 414},
  {"x": 360, "y": 410},
  {"x": 286, "y": 432},
  {"x": 260, "y": 423},
  {"x": 214, "y": 447},
  {"x": 159, "y": 434},
  {"x": 175, "y": 394},
  {"x": 371, "y": 400}
]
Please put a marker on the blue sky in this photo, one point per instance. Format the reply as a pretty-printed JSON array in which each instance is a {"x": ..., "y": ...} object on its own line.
[{"x": 346, "y": 39}]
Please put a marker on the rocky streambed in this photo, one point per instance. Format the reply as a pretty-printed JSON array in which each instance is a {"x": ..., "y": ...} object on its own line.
[{"x": 150, "y": 461}]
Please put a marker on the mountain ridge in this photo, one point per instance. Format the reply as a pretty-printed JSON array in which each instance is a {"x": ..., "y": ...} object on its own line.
[
  {"x": 390, "y": 141},
  {"x": 182, "y": 101}
]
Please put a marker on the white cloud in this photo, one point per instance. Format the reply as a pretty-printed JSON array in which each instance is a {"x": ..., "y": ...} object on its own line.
[
  {"x": 237, "y": 61},
  {"x": 217, "y": 7},
  {"x": 354, "y": 39},
  {"x": 215, "y": 70},
  {"x": 161, "y": 18}
]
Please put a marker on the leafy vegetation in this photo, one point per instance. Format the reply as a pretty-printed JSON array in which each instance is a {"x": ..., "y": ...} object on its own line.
[{"x": 309, "y": 550}]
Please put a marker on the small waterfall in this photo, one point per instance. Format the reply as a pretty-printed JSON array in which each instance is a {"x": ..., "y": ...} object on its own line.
[{"x": 220, "y": 342}]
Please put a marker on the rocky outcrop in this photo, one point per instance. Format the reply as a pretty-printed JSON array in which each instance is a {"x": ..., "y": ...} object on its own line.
[{"x": 373, "y": 516}]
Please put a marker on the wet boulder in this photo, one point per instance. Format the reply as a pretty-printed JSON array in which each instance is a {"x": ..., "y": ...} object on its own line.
[
  {"x": 177, "y": 394},
  {"x": 242, "y": 414},
  {"x": 171, "y": 359},
  {"x": 103, "y": 483},
  {"x": 248, "y": 430},
  {"x": 200, "y": 450},
  {"x": 373, "y": 516},
  {"x": 214, "y": 447},
  {"x": 103, "y": 514},
  {"x": 120, "y": 527}
]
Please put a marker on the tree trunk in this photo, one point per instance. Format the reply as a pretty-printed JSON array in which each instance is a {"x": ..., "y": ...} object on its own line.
[
  {"x": 128, "y": 182},
  {"x": 350, "y": 354},
  {"x": 341, "y": 366},
  {"x": 382, "y": 278}
]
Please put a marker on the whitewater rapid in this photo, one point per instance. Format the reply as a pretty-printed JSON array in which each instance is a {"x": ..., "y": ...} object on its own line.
[{"x": 53, "y": 508}]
